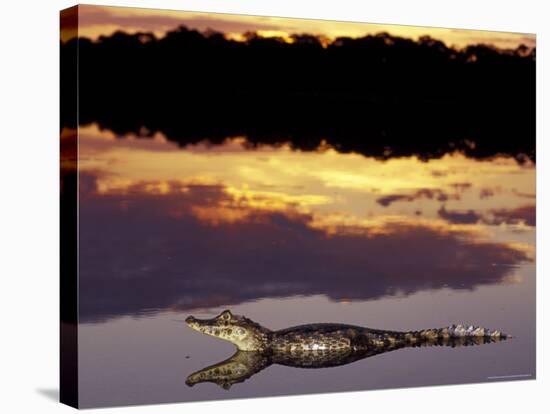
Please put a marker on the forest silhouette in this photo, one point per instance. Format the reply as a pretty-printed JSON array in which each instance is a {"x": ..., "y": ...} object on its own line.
[{"x": 379, "y": 95}]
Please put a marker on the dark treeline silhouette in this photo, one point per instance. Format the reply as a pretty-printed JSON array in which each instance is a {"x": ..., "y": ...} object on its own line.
[{"x": 379, "y": 95}]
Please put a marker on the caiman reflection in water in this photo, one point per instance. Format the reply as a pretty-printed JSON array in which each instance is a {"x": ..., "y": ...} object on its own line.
[{"x": 319, "y": 345}]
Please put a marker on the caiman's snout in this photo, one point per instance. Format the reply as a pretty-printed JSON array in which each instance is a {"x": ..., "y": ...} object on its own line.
[
  {"x": 191, "y": 380},
  {"x": 192, "y": 322}
]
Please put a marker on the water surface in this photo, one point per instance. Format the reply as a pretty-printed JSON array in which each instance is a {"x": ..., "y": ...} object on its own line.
[{"x": 287, "y": 237}]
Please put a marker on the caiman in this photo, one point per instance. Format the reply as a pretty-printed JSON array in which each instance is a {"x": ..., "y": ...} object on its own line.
[{"x": 317, "y": 345}]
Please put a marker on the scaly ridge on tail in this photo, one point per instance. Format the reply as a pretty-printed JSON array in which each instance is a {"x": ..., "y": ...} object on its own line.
[{"x": 454, "y": 331}]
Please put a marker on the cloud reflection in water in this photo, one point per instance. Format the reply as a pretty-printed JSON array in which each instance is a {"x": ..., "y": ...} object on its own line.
[{"x": 152, "y": 248}]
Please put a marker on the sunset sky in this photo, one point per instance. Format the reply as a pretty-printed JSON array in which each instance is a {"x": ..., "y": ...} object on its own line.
[{"x": 95, "y": 21}]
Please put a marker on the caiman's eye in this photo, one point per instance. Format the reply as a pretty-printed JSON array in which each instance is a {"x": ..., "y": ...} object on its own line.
[{"x": 226, "y": 315}]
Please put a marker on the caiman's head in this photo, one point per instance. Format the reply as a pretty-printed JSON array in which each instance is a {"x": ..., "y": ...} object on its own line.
[{"x": 245, "y": 334}]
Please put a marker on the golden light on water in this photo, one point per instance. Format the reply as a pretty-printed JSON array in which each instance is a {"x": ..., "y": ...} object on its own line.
[{"x": 335, "y": 193}]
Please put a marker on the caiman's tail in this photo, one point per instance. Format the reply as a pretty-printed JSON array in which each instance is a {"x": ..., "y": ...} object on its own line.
[{"x": 456, "y": 334}]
